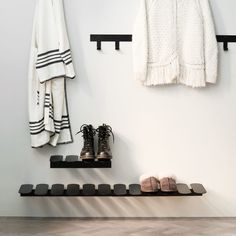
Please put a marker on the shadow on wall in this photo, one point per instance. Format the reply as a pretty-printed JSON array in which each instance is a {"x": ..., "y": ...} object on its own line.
[
  {"x": 116, "y": 207},
  {"x": 123, "y": 167}
]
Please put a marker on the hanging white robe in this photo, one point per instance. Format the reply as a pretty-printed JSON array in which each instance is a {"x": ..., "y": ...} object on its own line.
[{"x": 50, "y": 66}]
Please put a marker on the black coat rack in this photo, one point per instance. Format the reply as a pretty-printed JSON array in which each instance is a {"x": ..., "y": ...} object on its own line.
[
  {"x": 117, "y": 38},
  {"x": 226, "y": 39}
]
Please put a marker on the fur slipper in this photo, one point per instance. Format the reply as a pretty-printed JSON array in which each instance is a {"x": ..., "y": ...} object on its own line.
[
  {"x": 149, "y": 184},
  {"x": 168, "y": 183}
]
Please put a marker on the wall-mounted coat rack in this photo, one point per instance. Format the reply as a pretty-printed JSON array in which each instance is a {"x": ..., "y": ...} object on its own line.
[
  {"x": 226, "y": 39},
  {"x": 117, "y": 38}
]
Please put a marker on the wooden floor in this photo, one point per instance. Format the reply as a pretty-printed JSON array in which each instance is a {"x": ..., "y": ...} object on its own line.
[{"x": 117, "y": 227}]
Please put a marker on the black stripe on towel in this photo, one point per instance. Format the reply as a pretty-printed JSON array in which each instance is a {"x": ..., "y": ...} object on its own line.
[
  {"x": 36, "y": 122},
  {"x": 50, "y": 63},
  {"x": 48, "y": 103},
  {"x": 60, "y": 122},
  {"x": 68, "y": 63},
  {"x": 40, "y": 131},
  {"x": 48, "y": 52},
  {"x": 66, "y": 55},
  {"x": 46, "y": 57},
  {"x": 58, "y": 54},
  {"x": 64, "y": 118},
  {"x": 67, "y": 59},
  {"x": 61, "y": 125},
  {"x": 48, "y": 60},
  {"x": 36, "y": 125},
  {"x": 68, "y": 50},
  {"x": 53, "y": 53},
  {"x": 33, "y": 129},
  {"x": 53, "y": 57},
  {"x": 58, "y": 131}
]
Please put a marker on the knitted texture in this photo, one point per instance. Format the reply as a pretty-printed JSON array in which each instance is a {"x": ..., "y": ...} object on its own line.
[{"x": 174, "y": 41}]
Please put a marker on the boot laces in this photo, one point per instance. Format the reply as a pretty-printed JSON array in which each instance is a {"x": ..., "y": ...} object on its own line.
[
  {"x": 104, "y": 132},
  {"x": 88, "y": 133}
]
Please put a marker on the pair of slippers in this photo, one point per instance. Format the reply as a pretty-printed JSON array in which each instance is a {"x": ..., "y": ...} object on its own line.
[{"x": 152, "y": 183}]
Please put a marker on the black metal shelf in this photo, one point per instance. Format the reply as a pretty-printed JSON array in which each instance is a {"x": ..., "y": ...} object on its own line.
[
  {"x": 103, "y": 190},
  {"x": 158, "y": 194},
  {"x": 117, "y": 38},
  {"x": 73, "y": 161}
]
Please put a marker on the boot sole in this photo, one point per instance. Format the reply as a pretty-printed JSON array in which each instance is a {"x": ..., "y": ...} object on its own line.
[
  {"x": 105, "y": 158},
  {"x": 89, "y": 158}
]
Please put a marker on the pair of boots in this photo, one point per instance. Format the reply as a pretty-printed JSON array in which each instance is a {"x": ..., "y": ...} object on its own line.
[{"x": 88, "y": 151}]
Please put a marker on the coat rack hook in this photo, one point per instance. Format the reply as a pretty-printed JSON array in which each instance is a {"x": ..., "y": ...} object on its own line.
[
  {"x": 99, "y": 45},
  {"x": 226, "y": 48},
  {"x": 117, "y": 45}
]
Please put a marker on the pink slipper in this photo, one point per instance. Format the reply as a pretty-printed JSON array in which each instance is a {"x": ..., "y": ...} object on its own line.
[
  {"x": 168, "y": 183},
  {"x": 149, "y": 184}
]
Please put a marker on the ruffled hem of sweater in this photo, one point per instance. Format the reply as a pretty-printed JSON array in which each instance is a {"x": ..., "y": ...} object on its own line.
[
  {"x": 191, "y": 77},
  {"x": 173, "y": 73},
  {"x": 160, "y": 75}
]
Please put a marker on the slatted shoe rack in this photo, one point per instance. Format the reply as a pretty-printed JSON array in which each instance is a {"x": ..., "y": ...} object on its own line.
[
  {"x": 105, "y": 190},
  {"x": 102, "y": 190},
  {"x": 117, "y": 38},
  {"x": 72, "y": 161}
]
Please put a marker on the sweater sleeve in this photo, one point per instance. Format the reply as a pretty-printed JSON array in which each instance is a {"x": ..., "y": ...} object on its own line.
[
  {"x": 54, "y": 59},
  {"x": 49, "y": 63},
  {"x": 140, "y": 43},
  {"x": 64, "y": 45},
  {"x": 210, "y": 43}
]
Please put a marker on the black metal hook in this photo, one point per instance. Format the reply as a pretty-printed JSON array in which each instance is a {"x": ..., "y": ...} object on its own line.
[
  {"x": 117, "y": 38},
  {"x": 226, "y": 48}
]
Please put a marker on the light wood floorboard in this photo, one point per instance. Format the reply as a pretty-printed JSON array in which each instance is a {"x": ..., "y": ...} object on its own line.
[{"x": 118, "y": 227}]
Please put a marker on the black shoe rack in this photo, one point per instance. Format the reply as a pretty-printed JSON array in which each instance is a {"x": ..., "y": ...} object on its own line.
[
  {"x": 72, "y": 161},
  {"x": 105, "y": 190}
]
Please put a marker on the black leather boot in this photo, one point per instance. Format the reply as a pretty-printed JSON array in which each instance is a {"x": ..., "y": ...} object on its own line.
[
  {"x": 87, "y": 152},
  {"x": 104, "y": 150}
]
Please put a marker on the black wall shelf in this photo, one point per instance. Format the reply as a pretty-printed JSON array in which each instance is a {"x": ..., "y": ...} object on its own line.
[
  {"x": 103, "y": 190},
  {"x": 72, "y": 161},
  {"x": 117, "y": 38}
]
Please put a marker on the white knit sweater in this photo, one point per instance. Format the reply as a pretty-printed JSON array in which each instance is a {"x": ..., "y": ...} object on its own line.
[{"x": 174, "y": 41}]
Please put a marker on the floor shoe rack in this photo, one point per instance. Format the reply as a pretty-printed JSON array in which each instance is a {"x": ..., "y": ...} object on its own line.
[{"x": 105, "y": 190}]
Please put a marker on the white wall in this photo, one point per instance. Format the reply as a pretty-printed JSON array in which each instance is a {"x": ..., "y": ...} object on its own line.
[{"x": 190, "y": 132}]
